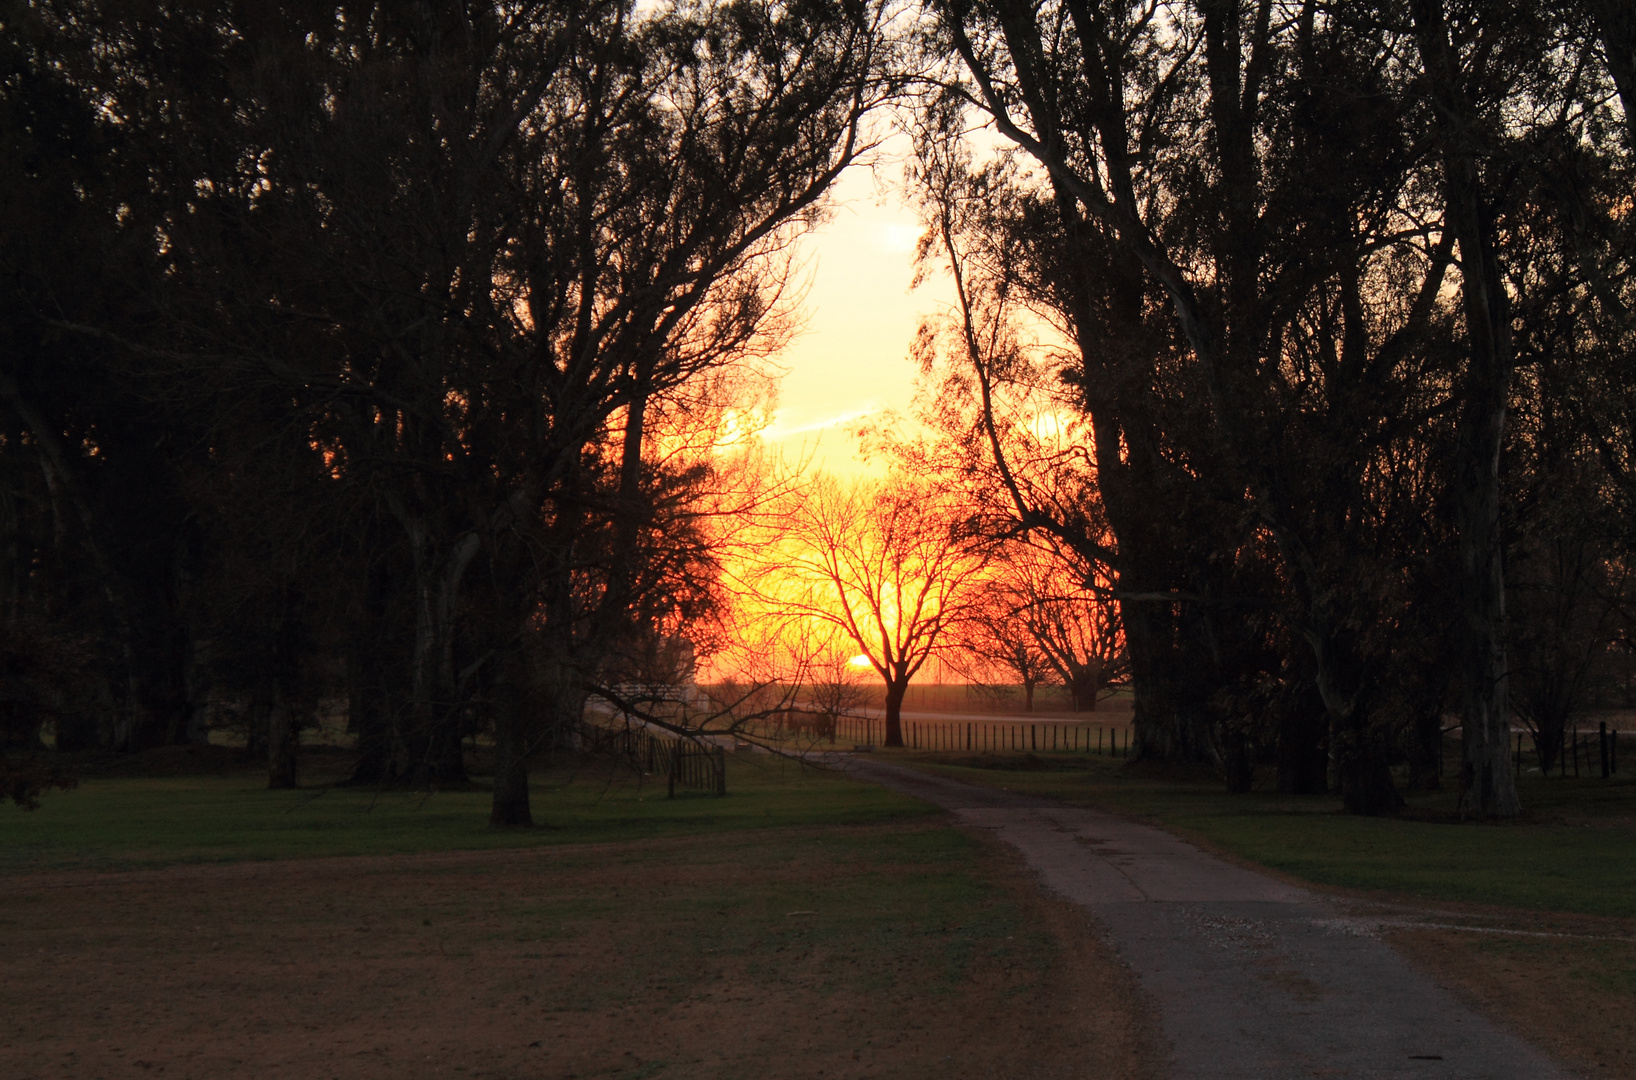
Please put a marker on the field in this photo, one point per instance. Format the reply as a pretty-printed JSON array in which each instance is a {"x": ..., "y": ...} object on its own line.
[{"x": 804, "y": 926}]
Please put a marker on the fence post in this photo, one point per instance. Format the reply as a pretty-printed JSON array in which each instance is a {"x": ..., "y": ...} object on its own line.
[
  {"x": 721, "y": 771},
  {"x": 1602, "y": 745},
  {"x": 1519, "y": 755}
]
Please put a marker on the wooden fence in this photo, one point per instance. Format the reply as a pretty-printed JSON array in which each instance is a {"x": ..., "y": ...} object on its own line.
[
  {"x": 975, "y": 735},
  {"x": 690, "y": 764}
]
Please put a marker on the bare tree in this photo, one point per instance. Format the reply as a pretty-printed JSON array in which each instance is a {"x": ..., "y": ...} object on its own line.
[
  {"x": 1072, "y": 617},
  {"x": 1037, "y": 616},
  {"x": 993, "y": 639},
  {"x": 880, "y": 562}
]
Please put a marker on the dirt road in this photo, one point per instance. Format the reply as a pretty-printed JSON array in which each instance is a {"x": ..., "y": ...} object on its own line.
[{"x": 1255, "y": 978}]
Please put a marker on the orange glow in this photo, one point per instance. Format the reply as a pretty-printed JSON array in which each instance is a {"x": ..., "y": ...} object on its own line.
[{"x": 851, "y": 364}]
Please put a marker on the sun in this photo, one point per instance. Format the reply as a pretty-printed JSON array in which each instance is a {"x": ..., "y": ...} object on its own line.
[{"x": 860, "y": 661}]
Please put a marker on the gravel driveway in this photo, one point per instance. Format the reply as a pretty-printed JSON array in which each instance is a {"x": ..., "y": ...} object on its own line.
[{"x": 1255, "y": 978}]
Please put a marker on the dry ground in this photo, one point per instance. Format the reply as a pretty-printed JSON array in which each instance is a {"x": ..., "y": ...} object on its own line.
[
  {"x": 704, "y": 957},
  {"x": 1570, "y": 990}
]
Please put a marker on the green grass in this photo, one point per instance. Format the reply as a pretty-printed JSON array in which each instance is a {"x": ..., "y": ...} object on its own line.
[
  {"x": 1574, "y": 850},
  {"x": 109, "y": 823}
]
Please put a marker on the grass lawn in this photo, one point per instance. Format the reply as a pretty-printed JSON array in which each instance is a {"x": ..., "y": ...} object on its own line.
[
  {"x": 123, "y": 822},
  {"x": 804, "y": 926}
]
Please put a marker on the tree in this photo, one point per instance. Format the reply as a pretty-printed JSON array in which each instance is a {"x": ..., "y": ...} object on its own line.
[
  {"x": 1245, "y": 225},
  {"x": 880, "y": 562},
  {"x": 99, "y": 541},
  {"x": 993, "y": 638},
  {"x": 461, "y": 254},
  {"x": 1034, "y": 617}
]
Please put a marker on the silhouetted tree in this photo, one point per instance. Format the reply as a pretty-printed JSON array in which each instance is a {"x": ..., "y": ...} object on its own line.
[{"x": 882, "y": 563}]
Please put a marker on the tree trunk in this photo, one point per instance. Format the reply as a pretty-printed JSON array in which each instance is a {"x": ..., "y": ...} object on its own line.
[
  {"x": 511, "y": 746},
  {"x": 368, "y": 716},
  {"x": 1487, "y": 787},
  {"x": 1550, "y": 736},
  {"x": 1028, "y": 695},
  {"x": 1359, "y": 746},
  {"x": 1426, "y": 747},
  {"x": 895, "y": 690},
  {"x": 369, "y": 703},
  {"x": 1084, "y": 686},
  {"x": 283, "y": 739},
  {"x": 1237, "y": 759},
  {"x": 436, "y": 755},
  {"x": 1303, "y": 751},
  {"x": 1616, "y": 26},
  {"x": 1169, "y": 714},
  {"x": 256, "y": 723},
  {"x": 1365, "y": 779}
]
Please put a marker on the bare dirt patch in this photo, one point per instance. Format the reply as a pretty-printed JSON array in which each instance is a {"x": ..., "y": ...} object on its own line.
[
  {"x": 737, "y": 955},
  {"x": 1567, "y": 984}
]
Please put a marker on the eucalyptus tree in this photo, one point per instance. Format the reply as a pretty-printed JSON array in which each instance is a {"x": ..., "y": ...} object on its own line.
[
  {"x": 1180, "y": 156},
  {"x": 461, "y": 250},
  {"x": 99, "y": 546},
  {"x": 1302, "y": 202}
]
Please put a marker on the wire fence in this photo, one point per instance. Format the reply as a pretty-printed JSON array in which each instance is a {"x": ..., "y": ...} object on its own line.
[
  {"x": 1599, "y": 751},
  {"x": 689, "y": 764}
]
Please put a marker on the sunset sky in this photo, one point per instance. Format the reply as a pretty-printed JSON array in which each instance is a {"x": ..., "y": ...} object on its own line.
[{"x": 852, "y": 360}]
